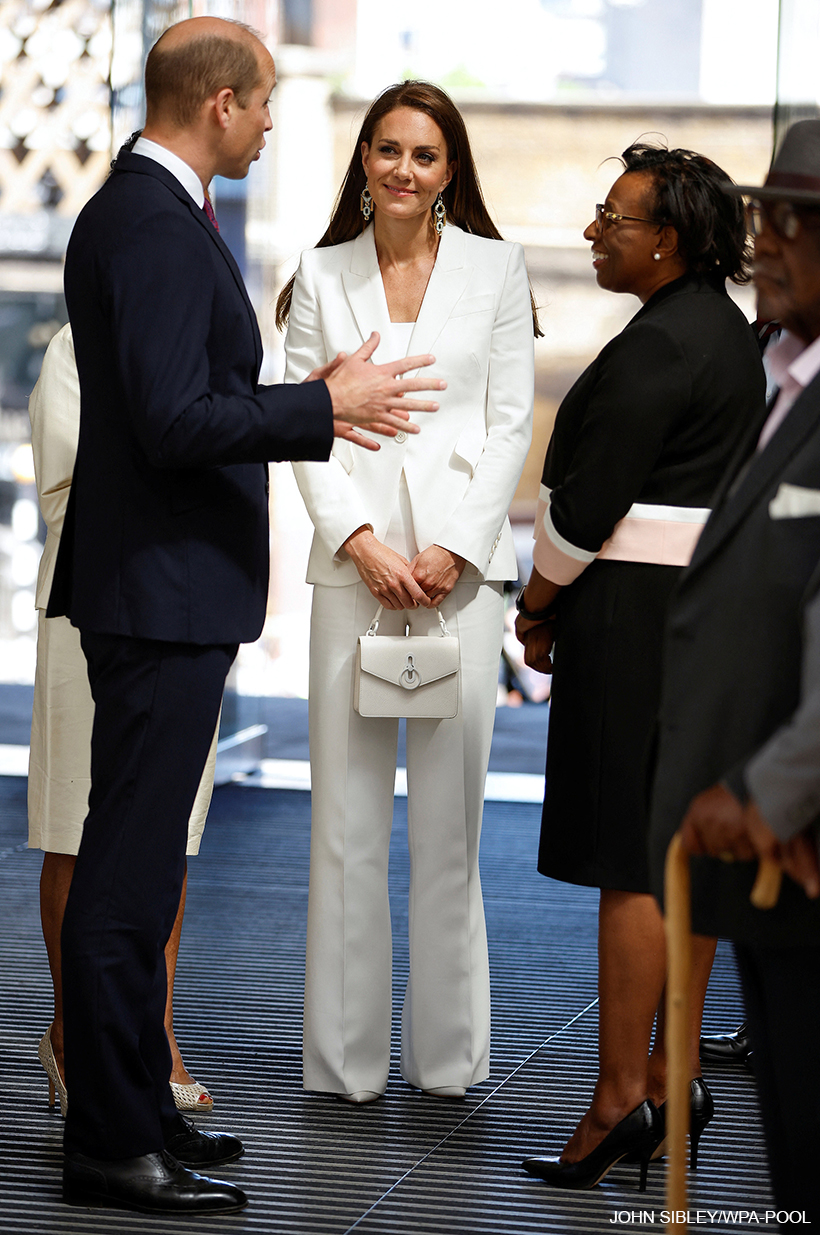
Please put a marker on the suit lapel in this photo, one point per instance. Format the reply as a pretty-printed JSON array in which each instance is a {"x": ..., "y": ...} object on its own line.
[
  {"x": 203, "y": 221},
  {"x": 742, "y": 459},
  {"x": 733, "y": 504},
  {"x": 364, "y": 289},
  {"x": 128, "y": 162},
  {"x": 447, "y": 283}
]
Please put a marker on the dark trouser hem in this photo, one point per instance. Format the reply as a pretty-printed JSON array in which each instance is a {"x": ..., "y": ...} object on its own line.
[{"x": 156, "y": 710}]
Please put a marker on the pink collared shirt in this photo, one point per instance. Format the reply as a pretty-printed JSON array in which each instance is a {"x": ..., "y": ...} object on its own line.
[{"x": 792, "y": 366}]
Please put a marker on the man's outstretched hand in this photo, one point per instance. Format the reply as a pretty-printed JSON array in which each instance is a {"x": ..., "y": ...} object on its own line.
[
  {"x": 341, "y": 428},
  {"x": 368, "y": 396}
]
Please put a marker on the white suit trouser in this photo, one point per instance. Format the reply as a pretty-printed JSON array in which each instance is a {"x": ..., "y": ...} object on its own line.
[{"x": 348, "y": 1001}]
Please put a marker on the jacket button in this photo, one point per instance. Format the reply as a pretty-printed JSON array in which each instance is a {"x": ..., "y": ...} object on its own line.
[{"x": 401, "y": 436}]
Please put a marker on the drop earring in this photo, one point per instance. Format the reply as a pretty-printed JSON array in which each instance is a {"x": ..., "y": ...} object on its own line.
[
  {"x": 439, "y": 214},
  {"x": 366, "y": 204}
]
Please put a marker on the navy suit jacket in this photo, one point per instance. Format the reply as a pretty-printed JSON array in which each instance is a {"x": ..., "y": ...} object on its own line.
[
  {"x": 733, "y": 658},
  {"x": 166, "y": 532}
]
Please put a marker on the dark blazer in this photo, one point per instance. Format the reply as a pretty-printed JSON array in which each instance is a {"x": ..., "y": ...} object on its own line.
[
  {"x": 654, "y": 417},
  {"x": 733, "y": 660},
  {"x": 166, "y": 533}
]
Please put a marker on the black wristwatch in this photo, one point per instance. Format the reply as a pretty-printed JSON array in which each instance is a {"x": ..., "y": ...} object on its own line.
[{"x": 543, "y": 615}]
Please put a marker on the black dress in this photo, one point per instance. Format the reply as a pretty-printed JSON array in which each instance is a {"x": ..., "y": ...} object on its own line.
[{"x": 654, "y": 420}]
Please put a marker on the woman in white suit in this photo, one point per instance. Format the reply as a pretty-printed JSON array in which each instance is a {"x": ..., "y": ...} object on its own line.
[{"x": 412, "y": 254}]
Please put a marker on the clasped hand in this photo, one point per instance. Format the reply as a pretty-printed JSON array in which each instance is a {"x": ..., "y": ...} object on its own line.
[
  {"x": 368, "y": 396},
  {"x": 538, "y": 636},
  {"x": 718, "y": 825},
  {"x": 399, "y": 584},
  {"x": 538, "y": 639}
]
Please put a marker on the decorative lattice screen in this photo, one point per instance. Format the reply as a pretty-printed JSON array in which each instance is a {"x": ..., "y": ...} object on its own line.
[{"x": 54, "y": 103}]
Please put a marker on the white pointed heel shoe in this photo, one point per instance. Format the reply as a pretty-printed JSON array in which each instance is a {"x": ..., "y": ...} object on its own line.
[
  {"x": 447, "y": 1091},
  {"x": 56, "y": 1084},
  {"x": 359, "y": 1097}
]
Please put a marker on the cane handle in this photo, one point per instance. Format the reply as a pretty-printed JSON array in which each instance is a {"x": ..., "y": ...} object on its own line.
[{"x": 766, "y": 888}]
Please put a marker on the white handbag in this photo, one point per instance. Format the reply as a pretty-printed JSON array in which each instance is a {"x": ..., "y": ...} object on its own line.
[{"x": 407, "y": 675}]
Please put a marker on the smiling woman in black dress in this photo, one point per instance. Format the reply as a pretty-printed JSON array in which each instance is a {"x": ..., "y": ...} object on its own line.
[{"x": 639, "y": 445}]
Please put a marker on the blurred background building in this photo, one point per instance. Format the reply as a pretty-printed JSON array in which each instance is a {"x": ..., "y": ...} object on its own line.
[{"x": 550, "y": 89}]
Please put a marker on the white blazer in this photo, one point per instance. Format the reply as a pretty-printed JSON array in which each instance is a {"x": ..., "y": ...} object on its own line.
[{"x": 462, "y": 468}]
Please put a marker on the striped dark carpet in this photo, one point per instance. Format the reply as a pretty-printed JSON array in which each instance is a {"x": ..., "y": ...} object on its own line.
[{"x": 314, "y": 1165}]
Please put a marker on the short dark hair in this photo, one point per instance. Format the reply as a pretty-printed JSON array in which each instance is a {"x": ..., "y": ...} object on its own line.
[
  {"x": 178, "y": 79},
  {"x": 711, "y": 226},
  {"x": 463, "y": 198}
]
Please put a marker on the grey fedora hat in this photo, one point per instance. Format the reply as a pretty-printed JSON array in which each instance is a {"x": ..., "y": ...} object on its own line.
[{"x": 795, "y": 173}]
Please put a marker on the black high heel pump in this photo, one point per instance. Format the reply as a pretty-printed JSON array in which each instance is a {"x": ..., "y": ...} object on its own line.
[
  {"x": 701, "y": 1111},
  {"x": 636, "y": 1136}
]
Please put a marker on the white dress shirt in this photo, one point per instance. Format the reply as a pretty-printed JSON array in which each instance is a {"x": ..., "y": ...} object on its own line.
[
  {"x": 178, "y": 168},
  {"x": 792, "y": 366}
]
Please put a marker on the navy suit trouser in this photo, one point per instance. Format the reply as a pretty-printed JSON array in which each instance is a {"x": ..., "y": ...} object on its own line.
[
  {"x": 156, "y": 708},
  {"x": 781, "y": 991}
]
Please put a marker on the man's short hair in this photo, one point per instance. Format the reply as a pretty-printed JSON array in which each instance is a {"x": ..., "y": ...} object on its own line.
[{"x": 179, "y": 79}]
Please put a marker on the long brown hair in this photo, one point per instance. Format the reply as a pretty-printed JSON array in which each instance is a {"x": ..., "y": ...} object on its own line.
[{"x": 463, "y": 198}]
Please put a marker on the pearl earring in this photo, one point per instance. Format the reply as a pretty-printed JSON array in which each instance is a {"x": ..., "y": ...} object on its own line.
[{"x": 657, "y": 257}]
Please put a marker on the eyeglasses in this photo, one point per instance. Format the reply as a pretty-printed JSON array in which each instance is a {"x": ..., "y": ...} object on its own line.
[
  {"x": 781, "y": 216},
  {"x": 784, "y": 218},
  {"x": 604, "y": 217}
]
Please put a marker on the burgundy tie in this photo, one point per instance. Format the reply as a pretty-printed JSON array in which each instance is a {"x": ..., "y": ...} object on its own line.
[{"x": 209, "y": 211}]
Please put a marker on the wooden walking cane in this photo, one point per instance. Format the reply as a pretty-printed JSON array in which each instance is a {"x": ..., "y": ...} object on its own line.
[{"x": 679, "y": 971}]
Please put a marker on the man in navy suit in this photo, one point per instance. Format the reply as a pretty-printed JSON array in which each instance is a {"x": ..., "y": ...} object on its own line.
[{"x": 163, "y": 567}]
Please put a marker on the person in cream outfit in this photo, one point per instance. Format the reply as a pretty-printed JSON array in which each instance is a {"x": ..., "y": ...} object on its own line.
[{"x": 411, "y": 253}]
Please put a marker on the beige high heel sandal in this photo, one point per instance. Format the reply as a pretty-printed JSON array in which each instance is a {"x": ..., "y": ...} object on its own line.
[
  {"x": 193, "y": 1097},
  {"x": 56, "y": 1084}
]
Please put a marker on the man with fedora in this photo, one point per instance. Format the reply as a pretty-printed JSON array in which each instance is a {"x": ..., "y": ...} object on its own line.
[{"x": 738, "y": 768}]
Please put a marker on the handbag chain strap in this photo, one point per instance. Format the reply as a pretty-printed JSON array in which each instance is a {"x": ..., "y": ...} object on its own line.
[{"x": 374, "y": 625}]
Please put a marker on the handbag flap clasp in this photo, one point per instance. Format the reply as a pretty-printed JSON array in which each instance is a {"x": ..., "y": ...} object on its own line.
[{"x": 391, "y": 660}]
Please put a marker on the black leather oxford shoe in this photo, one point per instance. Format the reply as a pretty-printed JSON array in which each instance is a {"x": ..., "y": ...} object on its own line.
[
  {"x": 194, "y": 1148},
  {"x": 154, "y": 1183},
  {"x": 726, "y": 1047}
]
